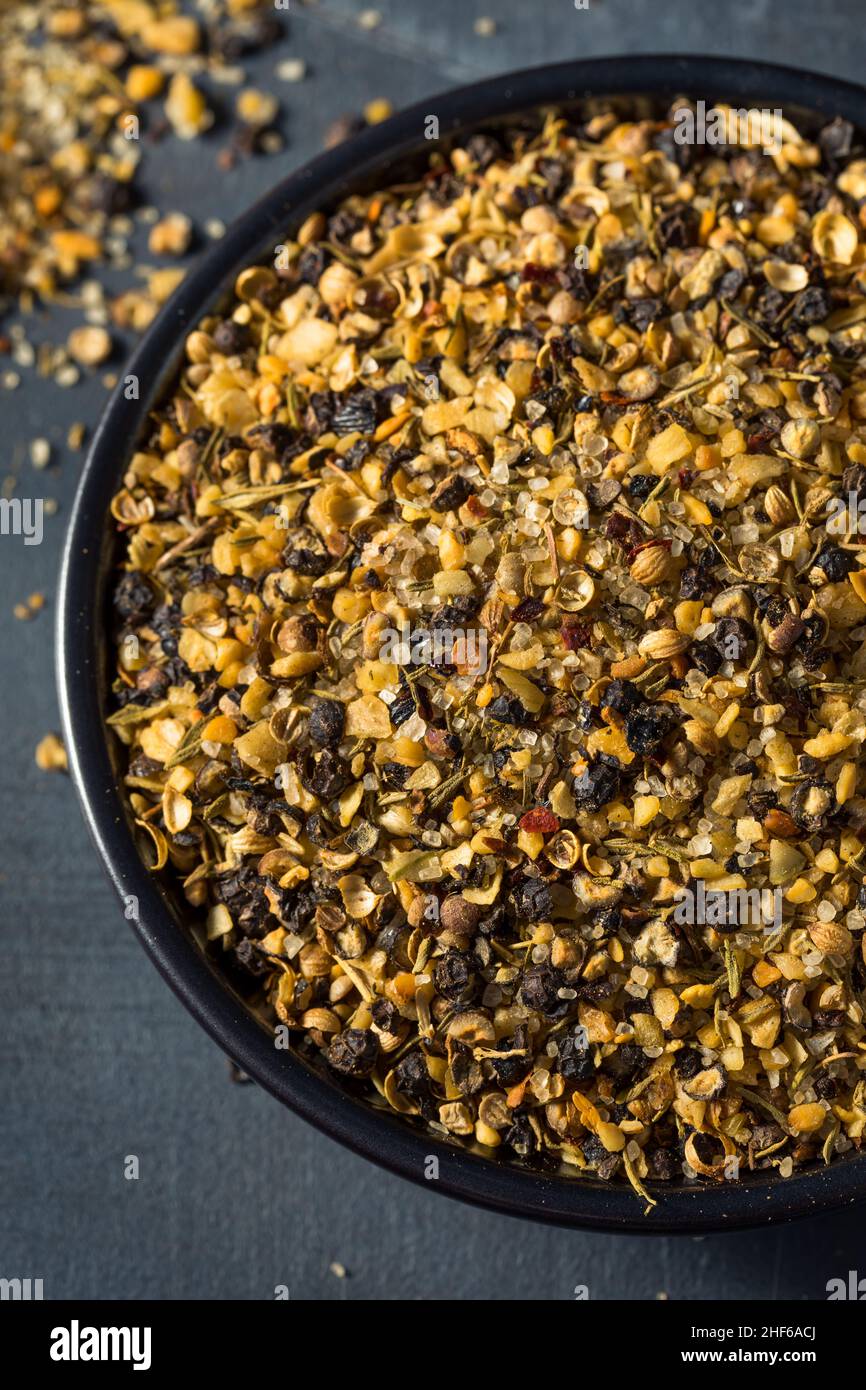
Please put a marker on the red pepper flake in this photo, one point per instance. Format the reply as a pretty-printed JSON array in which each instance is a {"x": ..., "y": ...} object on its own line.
[
  {"x": 527, "y": 610},
  {"x": 540, "y": 821},
  {"x": 617, "y": 526},
  {"x": 685, "y": 477},
  {"x": 576, "y": 635},
  {"x": 625, "y": 530},
  {"x": 540, "y": 274},
  {"x": 757, "y": 442}
]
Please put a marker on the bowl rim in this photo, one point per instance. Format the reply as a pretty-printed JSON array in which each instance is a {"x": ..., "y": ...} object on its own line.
[{"x": 505, "y": 1187}]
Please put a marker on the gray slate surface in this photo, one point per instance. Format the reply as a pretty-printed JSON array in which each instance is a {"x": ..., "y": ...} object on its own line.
[{"x": 99, "y": 1061}]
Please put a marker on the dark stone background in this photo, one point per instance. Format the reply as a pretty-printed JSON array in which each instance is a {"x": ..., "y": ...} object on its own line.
[{"x": 99, "y": 1060}]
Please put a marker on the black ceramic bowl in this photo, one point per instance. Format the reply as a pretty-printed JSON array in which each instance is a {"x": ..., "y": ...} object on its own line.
[{"x": 375, "y": 158}]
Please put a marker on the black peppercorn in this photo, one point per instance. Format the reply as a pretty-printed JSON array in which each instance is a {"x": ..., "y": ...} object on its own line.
[
  {"x": 354, "y": 1052},
  {"x": 327, "y": 718}
]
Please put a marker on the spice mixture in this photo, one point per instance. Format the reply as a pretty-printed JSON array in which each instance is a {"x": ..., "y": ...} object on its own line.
[{"x": 587, "y": 406}]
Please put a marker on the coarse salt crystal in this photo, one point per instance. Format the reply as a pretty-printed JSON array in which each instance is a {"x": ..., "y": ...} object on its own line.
[{"x": 414, "y": 728}]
